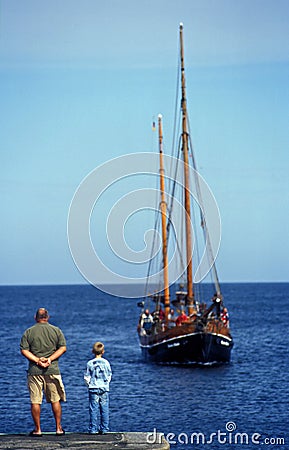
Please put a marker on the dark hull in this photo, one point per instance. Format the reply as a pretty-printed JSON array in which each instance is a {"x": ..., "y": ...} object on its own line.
[{"x": 198, "y": 348}]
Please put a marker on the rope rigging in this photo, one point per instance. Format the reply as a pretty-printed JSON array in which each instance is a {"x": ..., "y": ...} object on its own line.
[{"x": 176, "y": 153}]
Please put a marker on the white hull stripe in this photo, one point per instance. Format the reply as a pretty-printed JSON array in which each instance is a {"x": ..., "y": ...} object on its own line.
[{"x": 184, "y": 336}]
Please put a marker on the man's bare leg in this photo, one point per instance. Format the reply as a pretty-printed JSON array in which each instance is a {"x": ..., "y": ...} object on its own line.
[
  {"x": 57, "y": 412},
  {"x": 35, "y": 412}
]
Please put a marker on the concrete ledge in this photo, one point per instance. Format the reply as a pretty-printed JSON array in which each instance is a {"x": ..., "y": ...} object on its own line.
[{"x": 78, "y": 441}]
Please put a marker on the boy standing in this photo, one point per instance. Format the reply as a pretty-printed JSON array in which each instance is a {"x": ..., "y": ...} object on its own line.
[{"x": 97, "y": 378}]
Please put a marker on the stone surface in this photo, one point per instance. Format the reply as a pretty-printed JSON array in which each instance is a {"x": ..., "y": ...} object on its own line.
[{"x": 78, "y": 441}]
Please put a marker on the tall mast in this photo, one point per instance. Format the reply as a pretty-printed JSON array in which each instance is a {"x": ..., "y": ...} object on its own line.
[
  {"x": 163, "y": 208},
  {"x": 185, "y": 149}
]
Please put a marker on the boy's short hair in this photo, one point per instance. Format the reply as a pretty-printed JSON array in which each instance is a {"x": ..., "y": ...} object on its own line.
[{"x": 98, "y": 348}]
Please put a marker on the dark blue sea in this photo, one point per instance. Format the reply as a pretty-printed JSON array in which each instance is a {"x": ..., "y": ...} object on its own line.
[{"x": 244, "y": 404}]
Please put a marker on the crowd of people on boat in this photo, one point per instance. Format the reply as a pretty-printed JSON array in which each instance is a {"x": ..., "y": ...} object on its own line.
[{"x": 147, "y": 319}]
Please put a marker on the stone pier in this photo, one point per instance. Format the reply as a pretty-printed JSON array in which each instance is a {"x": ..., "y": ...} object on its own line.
[{"x": 79, "y": 441}]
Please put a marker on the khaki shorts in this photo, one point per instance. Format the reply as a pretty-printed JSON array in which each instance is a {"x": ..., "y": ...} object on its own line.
[{"x": 52, "y": 386}]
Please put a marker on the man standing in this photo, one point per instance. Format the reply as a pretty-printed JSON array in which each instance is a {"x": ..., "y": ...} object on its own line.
[{"x": 42, "y": 344}]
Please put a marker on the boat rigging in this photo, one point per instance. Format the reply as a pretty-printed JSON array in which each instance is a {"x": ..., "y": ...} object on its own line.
[{"x": 200, "y": 334}]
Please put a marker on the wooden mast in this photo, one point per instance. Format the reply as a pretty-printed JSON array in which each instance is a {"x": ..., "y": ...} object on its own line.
[
  {"x": 163, "y": 208},
  {"x": 185, "y": 149}
]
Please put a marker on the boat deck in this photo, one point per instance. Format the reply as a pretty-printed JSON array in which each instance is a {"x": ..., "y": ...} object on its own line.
[{"x": 157, "y": 335}]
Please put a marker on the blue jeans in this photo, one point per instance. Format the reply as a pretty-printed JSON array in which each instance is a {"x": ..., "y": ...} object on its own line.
[{"x": 98, "y": 411}]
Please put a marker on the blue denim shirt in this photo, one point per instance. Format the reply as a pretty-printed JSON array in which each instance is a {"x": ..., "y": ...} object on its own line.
[{"x": 98, "y": 374}]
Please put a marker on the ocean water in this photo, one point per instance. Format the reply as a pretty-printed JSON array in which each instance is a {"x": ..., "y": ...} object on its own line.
[{"x": 240, "y": 405}]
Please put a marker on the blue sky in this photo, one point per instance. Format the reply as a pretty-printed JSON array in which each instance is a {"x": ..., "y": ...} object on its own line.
[{"x": 81, "y": 83}]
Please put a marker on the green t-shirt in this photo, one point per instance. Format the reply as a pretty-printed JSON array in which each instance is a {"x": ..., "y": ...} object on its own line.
[{"x": 43, "y": 339}]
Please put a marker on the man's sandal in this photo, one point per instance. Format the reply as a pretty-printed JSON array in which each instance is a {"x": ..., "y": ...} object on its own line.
[
  {"x": 60, "y": 433},
  {"x": 33, "y": 434}
]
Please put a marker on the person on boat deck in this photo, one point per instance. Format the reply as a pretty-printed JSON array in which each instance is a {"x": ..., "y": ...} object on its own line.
[
  {"x": 225, "y": 317},
  {"x": 182, "y": 318},
  {"x": 161, "y": 314},
  {"x": 171, "y": 318},
  {"x": 146, "y": 321},
  {"x": 193, "y": 317},
  {"x": 217, "y": 299},
  {"x": 215, "y": 296},
  {"x": 158, "y": 315}
]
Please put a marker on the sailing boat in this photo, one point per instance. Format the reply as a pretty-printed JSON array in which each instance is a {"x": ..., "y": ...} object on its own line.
[{"x": 200, "y": 334}]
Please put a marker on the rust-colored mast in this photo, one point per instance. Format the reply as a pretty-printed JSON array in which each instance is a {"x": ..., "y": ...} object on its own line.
[
  {"x": 163, "y": 208},
  {"x": 185, "y": 149}
]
